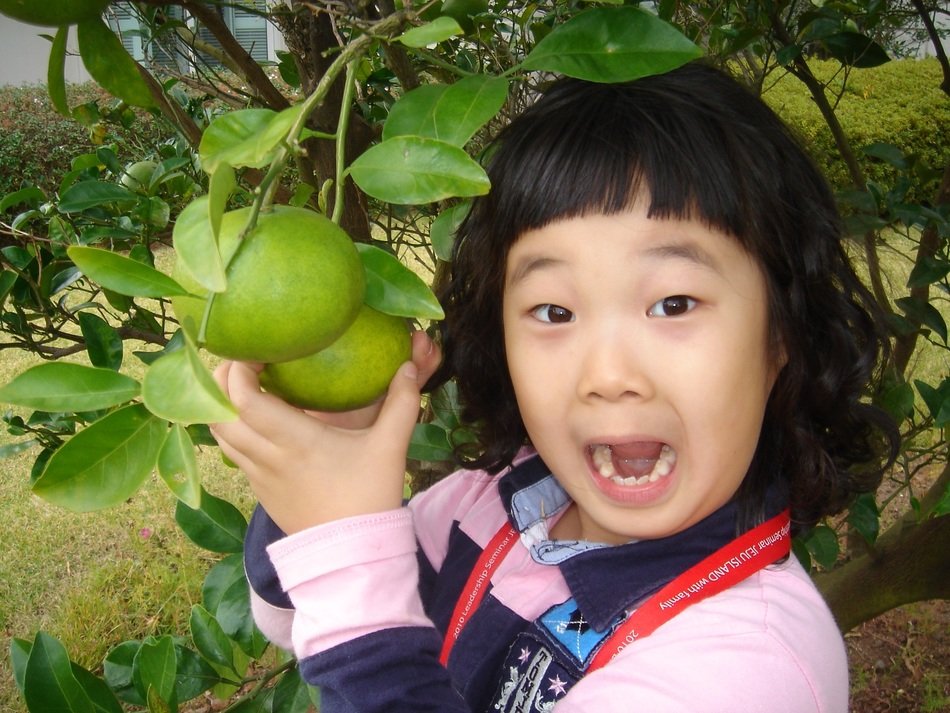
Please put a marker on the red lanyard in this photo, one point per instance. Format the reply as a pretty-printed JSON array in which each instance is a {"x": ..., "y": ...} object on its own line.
[
  {"x": 490, "y": 558},
  {"x": 727, "y": 566}
]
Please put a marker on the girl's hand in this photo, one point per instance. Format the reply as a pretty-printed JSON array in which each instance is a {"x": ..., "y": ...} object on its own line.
[{"x": 308, "y": 468}]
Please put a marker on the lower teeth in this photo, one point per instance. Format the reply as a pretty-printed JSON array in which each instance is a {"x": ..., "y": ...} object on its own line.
[{"x": 602, "y": 457}]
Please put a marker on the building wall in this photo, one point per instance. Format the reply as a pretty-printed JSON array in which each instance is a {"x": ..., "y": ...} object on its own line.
[{"x": 24, "y": 54}]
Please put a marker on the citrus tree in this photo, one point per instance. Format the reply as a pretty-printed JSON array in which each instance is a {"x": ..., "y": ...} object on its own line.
[{"x": 367, "y": 135}]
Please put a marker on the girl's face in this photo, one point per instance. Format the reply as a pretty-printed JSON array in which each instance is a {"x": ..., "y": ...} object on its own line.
[{"x": 639, "y": 354}]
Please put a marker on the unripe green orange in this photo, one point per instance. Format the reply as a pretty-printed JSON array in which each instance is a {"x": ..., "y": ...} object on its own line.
[
  {"x": 351, "y": 373},
  {"x": 138, "y": 176},
  {"x": 53, "y": 13},
  {"x": 295, "y": 283}
]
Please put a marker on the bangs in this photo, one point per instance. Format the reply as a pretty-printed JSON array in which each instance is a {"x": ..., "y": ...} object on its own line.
[{"x": 595, "y": 148}]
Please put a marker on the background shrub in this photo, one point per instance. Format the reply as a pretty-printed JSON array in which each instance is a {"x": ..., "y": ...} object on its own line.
[
  {"x": 898, "y": 103},
  {"x": 37, "y": 144}
]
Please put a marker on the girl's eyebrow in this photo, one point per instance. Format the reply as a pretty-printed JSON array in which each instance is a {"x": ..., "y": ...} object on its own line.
[
  {"x": 528, "y": 264},
  {"x": 689, "y": 251}
]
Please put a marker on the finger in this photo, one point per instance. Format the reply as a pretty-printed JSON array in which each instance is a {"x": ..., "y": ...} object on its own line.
[
  {"x": 260, "y": 414},
  {"x": 221, "y": 375},
  {"x": 425, "y": 355},
  {"x": 400, "y": 410}
]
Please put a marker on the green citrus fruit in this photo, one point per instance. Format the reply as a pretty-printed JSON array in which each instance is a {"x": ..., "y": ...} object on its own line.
[
  {"x": 295, "y": 283},
  {"x": 53, "y": 13},
  {"x": 138, "y": 176},
  {"x": 351, "y": 373}
]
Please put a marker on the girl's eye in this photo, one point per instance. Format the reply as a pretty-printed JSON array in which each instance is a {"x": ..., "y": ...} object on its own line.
[
  {"x": 672, "y": 306},
  {"x": 552, "y": 314}
]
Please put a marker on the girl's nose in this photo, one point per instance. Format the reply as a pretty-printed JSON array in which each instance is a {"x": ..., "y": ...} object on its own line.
[{"x": 614, "y": 368}]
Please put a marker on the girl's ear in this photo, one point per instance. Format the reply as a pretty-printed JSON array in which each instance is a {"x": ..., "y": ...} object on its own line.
[{"x": 779, "y": 357}]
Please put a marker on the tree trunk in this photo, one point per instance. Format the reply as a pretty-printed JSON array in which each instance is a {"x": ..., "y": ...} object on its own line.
[
  {"x": 908, "y": 563},
  {"x": 910, "y": 567}
]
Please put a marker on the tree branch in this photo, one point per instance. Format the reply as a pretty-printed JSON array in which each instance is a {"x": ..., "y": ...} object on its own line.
[
  {"x": 924, "y": 15},
  {"x": 803, "y": 73},
  {"x": 907, "y": 564},
  {"x": 248, "y": 68}
]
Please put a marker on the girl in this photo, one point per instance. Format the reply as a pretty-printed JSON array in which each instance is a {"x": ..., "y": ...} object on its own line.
[{"x": 662, "y": 348}]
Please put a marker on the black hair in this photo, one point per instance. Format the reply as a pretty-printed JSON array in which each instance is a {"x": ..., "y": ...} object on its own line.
[{"x": 702, "y": 147}]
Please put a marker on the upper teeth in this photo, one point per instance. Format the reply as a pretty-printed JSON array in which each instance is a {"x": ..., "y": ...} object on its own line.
[{"x": 602, "y": 457}]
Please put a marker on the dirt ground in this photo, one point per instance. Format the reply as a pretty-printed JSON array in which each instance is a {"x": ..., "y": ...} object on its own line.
[{"x": 900, "y": 661}]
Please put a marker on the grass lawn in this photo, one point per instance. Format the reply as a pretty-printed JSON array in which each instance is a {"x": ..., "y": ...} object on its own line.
[{"x": 96, "y": 579}]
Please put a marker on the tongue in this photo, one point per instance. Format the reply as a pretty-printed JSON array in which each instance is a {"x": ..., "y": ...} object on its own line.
[{"x": 635, "y": 459}]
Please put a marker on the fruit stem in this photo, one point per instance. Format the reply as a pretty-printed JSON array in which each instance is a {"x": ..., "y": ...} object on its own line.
[
  {"x": 343, "y": 124},
  {"x": 205, "y": 318},
  {"x": 348, "y": 55}
]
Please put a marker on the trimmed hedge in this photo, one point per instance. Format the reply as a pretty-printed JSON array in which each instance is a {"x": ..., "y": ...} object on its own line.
[
  {"x": 898, "y": 103},
  {"x": 37, "y": 145}
]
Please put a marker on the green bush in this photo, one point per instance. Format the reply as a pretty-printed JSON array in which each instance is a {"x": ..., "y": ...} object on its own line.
[
  {"x": 899, "y": 103},
  {"x": 37, "y": 144}
]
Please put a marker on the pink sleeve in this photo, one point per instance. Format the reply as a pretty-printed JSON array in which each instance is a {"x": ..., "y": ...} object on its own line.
[
  {"x": 332, "y": 574},
  {"x": 274, "y": 622}
]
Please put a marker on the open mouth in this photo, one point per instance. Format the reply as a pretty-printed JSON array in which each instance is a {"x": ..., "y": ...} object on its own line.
[{"x": 633, "y": 463}]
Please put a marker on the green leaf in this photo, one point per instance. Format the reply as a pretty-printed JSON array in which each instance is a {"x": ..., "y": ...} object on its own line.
[
  {"x": 292, "y": 694},
  {"x": 451, "y": 113},
  {"x": 889, "y": 153},
  {"x": 800, "y": 550},
  {"x": 19, "y": 655},
  {"x": 234, "y": 615},
  {"x": 117, "y": 671},
  {"x": 195, "y": 245},
  {"x": 394, "y": 289},
  {"x": 925, "y": 313},
  {"x": 194, "y": 676},
  {"x": 439, "y": 30},
  {"x": 219, "y": 580},
  {"x": 943, "y": 506},
  {"x": 8, "y": 279},
  {"x": 210, "y": 639},
  {"x": 928, "y": 271},
  {"x": 105, "y": 463},
  {"x": 110, "y": 65},
  {"x": 247, "y": 137},
  {"x": 178, "y": 466},
  {"x": 864, "y": 516},
  {"x": 29, "y": 196},
  {"x": 48, "y": 681},
  {"x": 430, "y": 443},
  {"x": 612, "y": 44},
  {"x": 217, "y": 525},
  {"x": 220, "y": 187},
  {"x": 56, "y": 73},
  {"x": 103, "y": 343},
  {"x": 937, "y": 400},
  {"x": 178, "y": 387},
  {"x": 822, "y": 543},
  {"x": 443, "y": 229},
  {"x": 67, "y": 387},
  {"x": 90, "y": 194},
  {"x": 12, "y": 449},
  {"x": 855, "y": 50},
  {"x": 154, "y": 669},
  {"x": 102, "y": 697},
  {"x": 123, "y": 275},
  {"x": 153, "y": 211},
  {"x": 898, "y": 401},
  {"x": 413, "y": 170}
]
